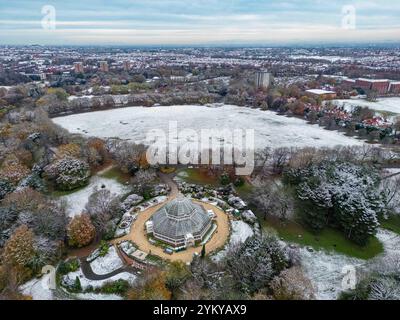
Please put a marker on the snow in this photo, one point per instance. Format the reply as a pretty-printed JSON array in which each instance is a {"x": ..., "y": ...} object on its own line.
[
  {"x": 239, "y": 233},
  {"x": 391, "y": 176},
  {"x": 76, "y": 201},
  {"x": 319, "y": 91},
  {"x": 38, "y": 288},
  {"x": 97, "y": 296},
  {"x": 325, "y": 269},
  {"x": 383, "y": 104},
  {"x": 390, "y": 240},
  {"x": 318, "y": 57},
  {"x": 109, "y": 263},
  {"x": 271, "y": 130},
  {"x": 390, "y": 171}
]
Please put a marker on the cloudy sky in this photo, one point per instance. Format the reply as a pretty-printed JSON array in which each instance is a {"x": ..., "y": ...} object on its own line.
[{"x": 203, "y": 22}]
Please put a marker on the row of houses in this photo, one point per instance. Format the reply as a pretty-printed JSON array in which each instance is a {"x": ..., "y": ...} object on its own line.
[{"x": 381, "y": 86}]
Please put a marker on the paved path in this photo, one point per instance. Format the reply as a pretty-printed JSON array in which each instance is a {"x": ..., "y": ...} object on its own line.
[{"x": 168, "y": 179}]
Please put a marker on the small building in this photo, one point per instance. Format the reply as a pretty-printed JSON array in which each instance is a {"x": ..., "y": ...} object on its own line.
[
  {"x": 104, "y": 66},
  {"x": 263, "y": 79},
  {"x": 381, "y": 86},
  {"x": 322, "y": 94},
  {"x": 149, "y": 227},
  {"x": 349, "y": 83},
  {"x": 394, "y": 87},
  {"x": 189, "y": 240},
  {"x": 78, "y": 67},
  {"x": 126, "y": 65}
]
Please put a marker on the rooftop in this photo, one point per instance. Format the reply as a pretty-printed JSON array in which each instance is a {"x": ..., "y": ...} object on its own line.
[
  {"x": 320, "y": 91},
  {"x": 180, "y": 217}
]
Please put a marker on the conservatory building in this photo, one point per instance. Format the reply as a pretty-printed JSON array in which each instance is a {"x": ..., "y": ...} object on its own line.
[{"x": 180, "y": 223}]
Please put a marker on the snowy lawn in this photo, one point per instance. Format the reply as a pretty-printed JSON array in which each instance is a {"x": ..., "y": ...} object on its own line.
[
  {"x": 325, "y": 269},
  {"x": 328, "y": 239},
  {"x": 38, "y": 288},
  {"x": 97, "y": 296},
  {"x": 76, "y": 201},
  {"x": 110, "y": 262},
  {"x": 239, "y": 233},
  {"x": 391, "y": 105},
  {"x": 271, "y": 129}
]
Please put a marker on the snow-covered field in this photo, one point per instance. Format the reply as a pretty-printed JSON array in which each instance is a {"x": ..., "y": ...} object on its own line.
[
  {"x": 325, "y": 269},
  {"x": 271, "y": 130},
  {"x": 38, "y": 288},
  {"x": 76, "y": 201},
  {"x": 109, "y": 263},
  {"x": 383, "y": 104},
  {"x": 327, "y": 58},
  {"x": 239, "y": 233}
]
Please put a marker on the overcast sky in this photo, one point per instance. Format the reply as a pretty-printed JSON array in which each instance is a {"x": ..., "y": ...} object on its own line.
[{"x": 191, "y": 22}]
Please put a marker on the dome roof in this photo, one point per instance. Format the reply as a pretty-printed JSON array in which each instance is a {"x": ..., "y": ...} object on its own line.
[
  {"x": 180, "y": 207},
  {"x": 180, "y": 217}
]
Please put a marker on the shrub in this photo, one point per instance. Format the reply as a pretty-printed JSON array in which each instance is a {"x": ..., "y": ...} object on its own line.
[
  {"x": 68, "y": 173},
  {"x": 66, "y": 267},
  {"x": 80, "y": 231},
  {"x": 103, "y": 248},
  {"x": 117, "y": 287},
  {"x": 5, "y": 188}
]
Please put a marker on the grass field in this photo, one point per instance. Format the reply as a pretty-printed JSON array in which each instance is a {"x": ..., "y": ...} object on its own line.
[
  {"x": 199, "y": 176},
  {"x": 329, "y": 239},
  {"x": 392, "y": 224},
  {"x": 117, "y": 175}
]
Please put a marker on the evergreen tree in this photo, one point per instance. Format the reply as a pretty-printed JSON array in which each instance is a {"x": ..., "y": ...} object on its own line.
[{"x": 203, "y": 251}]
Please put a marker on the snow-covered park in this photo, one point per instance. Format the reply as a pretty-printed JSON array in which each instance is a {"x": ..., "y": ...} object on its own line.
[
  {"x": 270, "y": 129},
  {"x": 326, "y": 269},
  {"x": 77, "y": 200},
  {"x": 391, "y": 105}
]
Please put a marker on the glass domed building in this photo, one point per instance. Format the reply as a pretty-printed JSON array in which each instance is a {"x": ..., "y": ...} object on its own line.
[{"x": 180, "y": 223}]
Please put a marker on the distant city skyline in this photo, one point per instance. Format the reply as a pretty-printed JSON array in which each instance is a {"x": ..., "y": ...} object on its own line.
[{"x": 199, "y": 22}]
